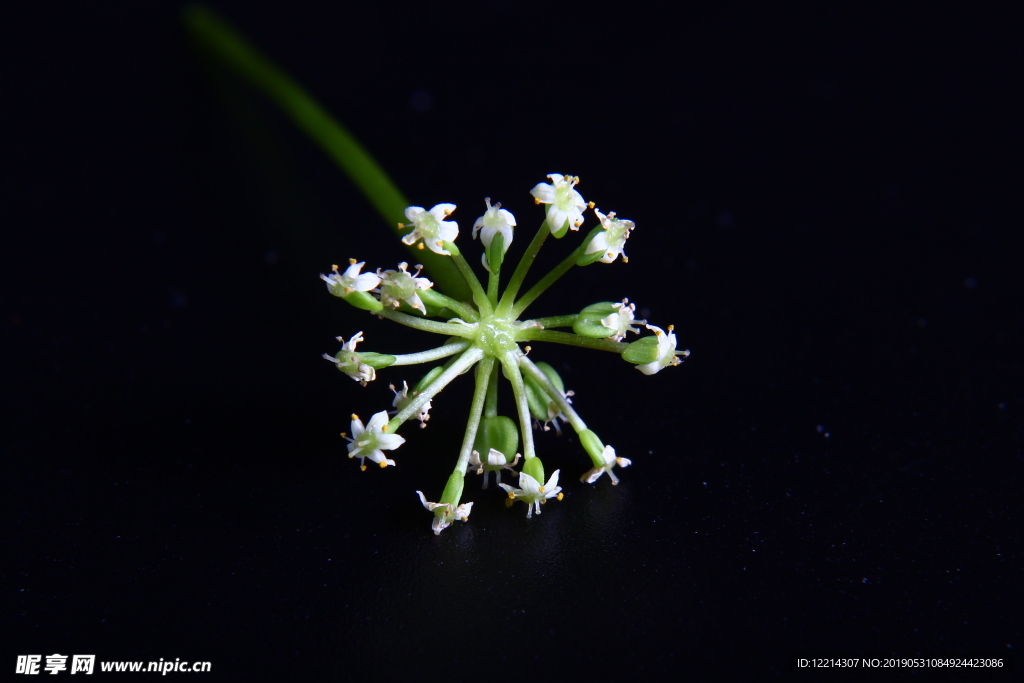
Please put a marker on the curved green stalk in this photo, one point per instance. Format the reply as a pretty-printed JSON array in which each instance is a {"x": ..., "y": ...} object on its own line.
[
  {"x": 459, "y": 366},
  {"x": 552, "y": 391},
  {"x": 515, "y": 377},
  {"x": 223, "y": 41},
  {"x": 431, "y": 355},
  {"x": 532, "y": 334},
  {"x": 545, "y": 282},
  {"x": 428, "y": 325},
  {"x": 483, "y": 375}
]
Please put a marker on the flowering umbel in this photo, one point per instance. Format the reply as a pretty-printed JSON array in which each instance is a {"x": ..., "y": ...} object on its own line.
[{"x": 492, "y": 337}]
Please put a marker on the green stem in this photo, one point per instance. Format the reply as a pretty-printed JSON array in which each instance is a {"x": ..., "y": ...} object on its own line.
[
  {"x": 226, "y": 44},
  {"x": 479, "y": 296},
  {"x": 511, "y": 367},
  {"x": 464, "y": 311},
  {"x": 461, "y": 364},
  {"x": 545, "y": 282},
  {"x": 491, "y": 408},
  {"x": 557, "y": 321},
  {"x": 533, "y": 334},
  {"x": 433, "y": 354},
  {"x": 449, "y": 329},
  {"x": 505, "y": 305},
  {"x": 551, "y": 390},
  {"x": 493, "y": 280},
  {"x": 476, "y": 409}
]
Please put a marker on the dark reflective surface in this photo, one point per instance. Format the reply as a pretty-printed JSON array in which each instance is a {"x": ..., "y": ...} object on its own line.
[{"x": 824, "y": 209}]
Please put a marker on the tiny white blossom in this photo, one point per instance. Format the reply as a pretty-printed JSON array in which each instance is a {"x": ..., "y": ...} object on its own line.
[
  {"x": 398, "y": 286},
  {"x": 350, "y": 281},
  {"x": 496, "y": 462},
  {"x": 431, "y": 227},
  {"x": 621, "y": 320},
  {"x": 532, "y": 493},
  {"x": 610, "y": 461},
  {"x": 371, "y": 441},
  {"x": 449, "y": 513},
  {"x": 555, "y": 414},
  {"x": 611, "y": 240},
  {"x": 667, "y": 354},
  {"x": 565, "y": 203},
  {"x": 402, "y": 399},
  {"x": 494, "y": 220},
  {"x": 347, "y": 360}
]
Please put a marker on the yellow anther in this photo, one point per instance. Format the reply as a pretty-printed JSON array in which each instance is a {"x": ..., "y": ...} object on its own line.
[
  {"x": 334, "y": 267},
  {"x": 401, "y": 226},
  {"x": 352, "y": 261},
  {"x": 420, "y": 246},
  {"x": 344, "y": 434},
  {"x": 537, "y": 201},
  {"x": 354, "y": 416},
  {"x": 383, "y": 464},
  {"x": 625, "y": 259},
  {"x": 385, "y": 428},
  {"x": 362, "y": 468},
  {"x": 671, "y": 327},
  {"x": 511, "y": 495},
  {"x": 541, "y": 489},
  {"x": 591, "y": 205},
  {"x": 561, "y": 496}
]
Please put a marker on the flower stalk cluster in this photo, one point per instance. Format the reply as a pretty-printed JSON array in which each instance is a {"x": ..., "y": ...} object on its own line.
[{"x": 491, "y": 336}]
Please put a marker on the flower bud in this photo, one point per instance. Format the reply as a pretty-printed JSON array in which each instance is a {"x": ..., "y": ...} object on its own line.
[
  {"x": 585, "y": 259},
  {"x": 500, "y": 433},
  {"x": 452, "y": 490},
  {"x": 592, "y": 445},
  {"x": 643, "y": 350},
  {"x": 363, "y": 300},
  {"x": 542, "y": 407},
  {"x": 588, "y": 323},
  {"x": 535, "y": 468}
]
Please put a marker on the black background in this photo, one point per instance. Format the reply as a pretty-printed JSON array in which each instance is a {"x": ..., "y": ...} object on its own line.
[{"x": 826, "y": 207}]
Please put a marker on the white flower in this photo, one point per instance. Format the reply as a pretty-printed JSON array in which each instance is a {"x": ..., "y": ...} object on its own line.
[
  {"x": 371, "y": 441},
  {"x": 398, "y": 286},
  {"x": 612, "y": 239},
  {"x": 431, "y": 227},
  {"x": 402, "y": 399},
  {"x": 532, "y": 493},
  {"x": 555, "y": 414},
  {"x": 347, "y": 360},
  {"x": 449, "y": 513},
  {"x": 350, "y": 281},
  {"x": 566, "y": 204},
  {"x": 610, "y": 461},
  {"x": 494, "y": 220},
  {"x": 666, "y": 351},
  {"x": 496, "y": 462},
  {"x": 621, "y": 320}
]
